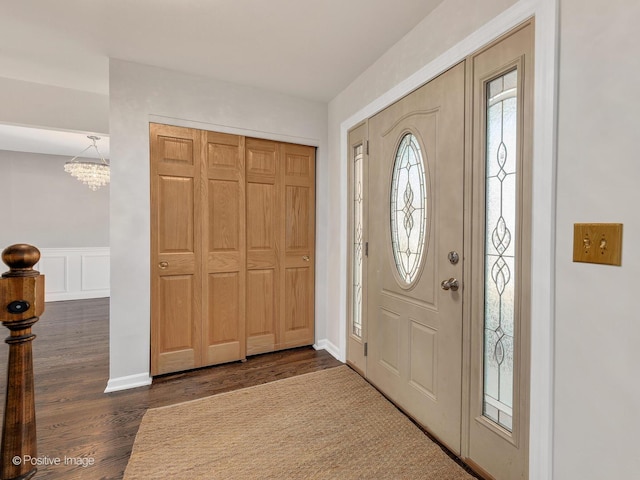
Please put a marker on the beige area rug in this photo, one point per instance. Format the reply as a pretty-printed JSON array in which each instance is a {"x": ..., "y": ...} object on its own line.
[{"x": 329, "y": 424}]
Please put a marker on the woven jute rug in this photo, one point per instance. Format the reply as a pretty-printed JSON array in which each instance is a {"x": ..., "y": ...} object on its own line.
[{"x": 329, "y": 424}]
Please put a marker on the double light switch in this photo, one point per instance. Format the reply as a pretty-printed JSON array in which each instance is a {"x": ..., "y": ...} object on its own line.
[{"x": 597, "y": 243}]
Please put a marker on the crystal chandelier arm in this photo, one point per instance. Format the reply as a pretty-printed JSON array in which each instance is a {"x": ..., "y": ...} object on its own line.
[
  {"x": 104, "y": 160},
  {"x": 93, "y": 139},
  {"x": 80, "y": 154}
]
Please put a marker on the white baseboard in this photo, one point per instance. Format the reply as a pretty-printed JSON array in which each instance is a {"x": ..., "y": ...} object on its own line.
[
  {"x": 331, "y": 348},
  {"x": 143, "y": 379},
  {"x": 75, "y": 273},
  {"x": 125, "y": 383}
]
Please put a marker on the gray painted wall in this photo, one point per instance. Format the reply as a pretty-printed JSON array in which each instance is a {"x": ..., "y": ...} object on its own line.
[{"x": 44, "y": 206}]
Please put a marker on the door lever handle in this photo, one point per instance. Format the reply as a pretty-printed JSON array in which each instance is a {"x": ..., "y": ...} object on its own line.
[{"x": 451, "y": 284}]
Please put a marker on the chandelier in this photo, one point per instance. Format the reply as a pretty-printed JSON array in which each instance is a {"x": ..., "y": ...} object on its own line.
[{"x": 93, "y": 174}]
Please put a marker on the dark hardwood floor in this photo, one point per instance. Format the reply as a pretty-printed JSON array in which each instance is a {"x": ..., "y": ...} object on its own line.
[{"x": 78, "y": 423}]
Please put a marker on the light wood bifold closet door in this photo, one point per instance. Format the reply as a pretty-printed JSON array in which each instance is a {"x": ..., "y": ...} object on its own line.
[
  {"x": 232, "y": 247},
  {"x": 223, "y": 239}
]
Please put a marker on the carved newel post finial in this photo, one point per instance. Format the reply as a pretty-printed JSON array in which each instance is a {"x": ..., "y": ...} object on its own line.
[
  {"x": 21, "y": 303},
  {"x": 20, "y": 259}
]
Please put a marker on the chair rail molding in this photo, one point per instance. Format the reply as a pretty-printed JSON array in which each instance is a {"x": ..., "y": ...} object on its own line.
[{"x": 75, "y": 273}]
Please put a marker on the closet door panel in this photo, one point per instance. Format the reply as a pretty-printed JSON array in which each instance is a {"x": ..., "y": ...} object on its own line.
[
  {"x": 175, "y": 249},
  {"x": 261, "y": 318},
  {"x": 224, "y": 226},
  {"x": 224, "y": 317},
  {"x": 297, "y": 326},
  {"x": 263, "y": 245},
  {"x": 175, "y": 221},
  {"x": 175, "y": 323},
  {"x": 224, "y": 240}
]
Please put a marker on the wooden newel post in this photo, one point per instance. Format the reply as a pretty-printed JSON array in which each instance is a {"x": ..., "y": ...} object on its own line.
[{"x": 21, "y": 303}]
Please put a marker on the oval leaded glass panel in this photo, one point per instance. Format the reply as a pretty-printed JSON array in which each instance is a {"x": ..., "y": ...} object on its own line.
[{"x": 408, "y": 209}]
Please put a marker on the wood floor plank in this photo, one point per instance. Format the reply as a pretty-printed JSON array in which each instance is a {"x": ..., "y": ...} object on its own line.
[{"x": 76, "y": 420}]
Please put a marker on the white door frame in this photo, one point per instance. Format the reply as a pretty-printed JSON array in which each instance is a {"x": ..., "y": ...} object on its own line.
[{"x": 544, "y": 202}]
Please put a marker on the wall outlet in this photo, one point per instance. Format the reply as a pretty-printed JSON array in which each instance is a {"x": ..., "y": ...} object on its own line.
[{"x": 597, "y": 243}]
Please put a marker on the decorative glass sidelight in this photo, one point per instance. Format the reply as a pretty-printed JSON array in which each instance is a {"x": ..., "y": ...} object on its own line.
[
  {"x": 358, "y": 220},
  {"x": 408, "y": 209},
  {"x": 500, "y": 252}
]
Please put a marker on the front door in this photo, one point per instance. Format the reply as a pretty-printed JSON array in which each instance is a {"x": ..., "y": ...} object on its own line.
[
  {"x": 413, "y": 191},
  {"x": 415, "y": 234}
]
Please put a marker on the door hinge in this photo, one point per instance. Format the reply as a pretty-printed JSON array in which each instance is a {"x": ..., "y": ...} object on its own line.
[
  {"x": 366, "y": 349},
  {"x": 366, "y": 146},
  {"x": 366, "y": 249}
]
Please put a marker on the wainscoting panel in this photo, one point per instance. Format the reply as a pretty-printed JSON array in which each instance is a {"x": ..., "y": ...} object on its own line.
[{"x": 75, "y": 273}]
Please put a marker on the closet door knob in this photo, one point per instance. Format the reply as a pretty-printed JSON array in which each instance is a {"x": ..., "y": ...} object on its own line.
[
  {"x": 305, "y": 258},
  {"x": 163, "y": 265}
]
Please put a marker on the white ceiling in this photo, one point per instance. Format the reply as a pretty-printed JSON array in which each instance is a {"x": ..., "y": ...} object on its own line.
[{"x": 306, "y": 48}]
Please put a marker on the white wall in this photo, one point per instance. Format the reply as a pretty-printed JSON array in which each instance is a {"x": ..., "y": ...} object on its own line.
[
  {"x": 597, "y": 392},
  {"x": 140, "y": 94},
  {"x": 46, "y": 207},
  {"x": 38, "y": 105}
]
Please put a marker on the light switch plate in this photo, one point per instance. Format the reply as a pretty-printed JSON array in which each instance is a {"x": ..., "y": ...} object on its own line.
[{"x": 597, "y": 243}]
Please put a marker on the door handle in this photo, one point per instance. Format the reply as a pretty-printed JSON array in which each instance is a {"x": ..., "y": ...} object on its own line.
[
  {"x": 305, "y": 258},
  {"x": 451, "y": 284},
  {"x": 163, "y": 265}
]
